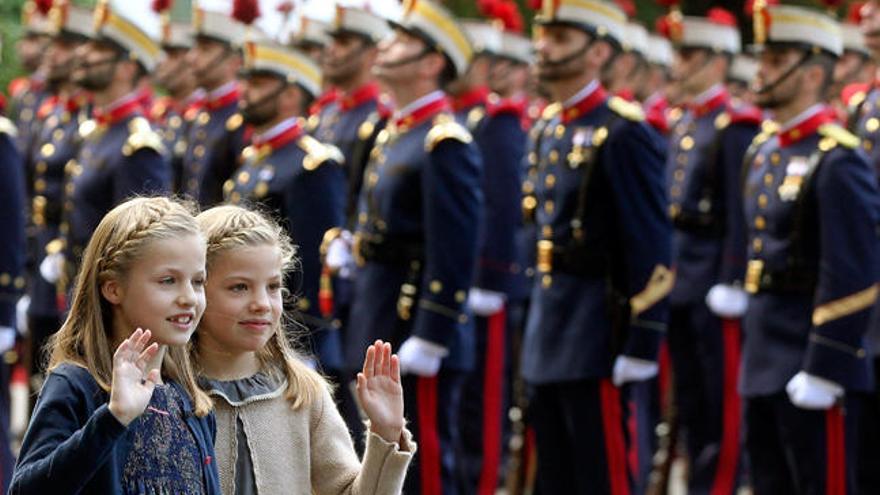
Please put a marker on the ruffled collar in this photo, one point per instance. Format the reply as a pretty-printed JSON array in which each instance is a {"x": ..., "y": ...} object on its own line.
[{"x": 264, "y": 385}]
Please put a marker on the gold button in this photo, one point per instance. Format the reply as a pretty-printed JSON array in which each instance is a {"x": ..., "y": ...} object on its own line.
[
  {"x": 533, "y": 158},
  {"x": 435, "y": 286},
  {"x": 47, "y": 149},
  {"x": 549, "y": 181},
  {"x": 192, "y": 185},
  {"x": 675, "y": 191},
  {"x": 57, "y": 134},
  {"x": 674, "y": 210},
  {"x": 867, "y": 145},
  {"x": 762, "y": 200},
  {"x": 228, "y": 186},
  {"x": 261, "y": 189},
  {"x": 872, "y": 124},
  {"x": 199, "y": 151},
  {"x": 362, "y": 218},
  {"x": 243, "y": 177},
  {"x": 757, "y": 244},
  {"x": 546, "y": 281},
  {"x": 681, "y": 159},
  {"x": 768, "y": 180},
  {"x": 42, "y": 167},
  {"x": 18, "y": 283},
  {"x": 460, "y": 296},
  {"x": 5, "y": 279},
  {"x": 759, "y": 160},
  {"x": 760, "y": 222},
  {"x": 203, "y": 118},
  {"x": 372, "y": 179},
  {"x": 775, "y": 158},
  {"x": 549, "y": 206},
  {"x": 678, "y": 175},
  {"x": 687, "y": 143},
  {"x": 559, "y": 131},
  {"x": 69, "y": 188},
  {"x": 40, "y": 185},
  {"x": 528, "y": 187},
  {"x": 174, "y": 122},
  {"x": 235, "y": 197},
  {"x": 547, "y": 232},
  {"x": 553, "y": 156}
]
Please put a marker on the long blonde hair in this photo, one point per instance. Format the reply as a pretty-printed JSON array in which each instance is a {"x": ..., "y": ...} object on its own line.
[
  {"x": 230, "y": 227},
  {"x": 123, "y": 235}
]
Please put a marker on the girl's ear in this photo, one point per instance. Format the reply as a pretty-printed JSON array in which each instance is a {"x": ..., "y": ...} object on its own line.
[{"x": 112, "y": 291}]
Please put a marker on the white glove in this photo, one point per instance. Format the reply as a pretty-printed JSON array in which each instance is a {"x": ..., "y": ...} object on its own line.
[
  {"x": 339, "y": 257},
  {"x": 727, "y": 301},
  {"x": 808, "y": 391},
  {"x": 630, "y": 369},
  {"x": 21, "y": 311},
  {"x": 52, "y": 267},
  {"x": 7, "y": 339},
  {"x": 420, "y": 357},
  {"x": 485, "y": 302}
]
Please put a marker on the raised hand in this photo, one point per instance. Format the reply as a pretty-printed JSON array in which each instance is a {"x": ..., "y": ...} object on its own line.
[
  {"x": 380, "y": 392},
  {"x": 133, "y": 384}
]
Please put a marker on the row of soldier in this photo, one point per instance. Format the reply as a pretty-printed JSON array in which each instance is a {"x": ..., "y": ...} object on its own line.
[{"x": 646, "y": 243}]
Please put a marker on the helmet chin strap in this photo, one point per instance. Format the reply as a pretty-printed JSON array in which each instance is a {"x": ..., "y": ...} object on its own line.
[
  {"x": 407, "y": 60},
  {"x": 568, "y": 58},
  {"x": 785, "y": 75}
]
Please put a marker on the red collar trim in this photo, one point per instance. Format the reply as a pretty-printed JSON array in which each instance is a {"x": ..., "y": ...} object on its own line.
[
  {"x": 48, "y": 106},
  {"x": 104, "y": 117},
  {"x": 326, "y": 98},
  {"x": 367, "y": 92},
  {"x": 224, "y": 100},
  {"x": 627, "y": 94},
  {"x": 713, "y": 103},
  {"x": 806, "y": 128},
  {"x": 472, "y": 98},
  {"x": 515, "y": 105},
  {"x": 585, "y": 105},
  {"x": 422, "y": 113},
  {"x": 291, "y": 133}
]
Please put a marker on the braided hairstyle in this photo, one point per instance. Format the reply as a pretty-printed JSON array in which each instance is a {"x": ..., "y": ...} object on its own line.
[
  {"x": 227, "y": 228},
  {"x": 86, "y": 337}
]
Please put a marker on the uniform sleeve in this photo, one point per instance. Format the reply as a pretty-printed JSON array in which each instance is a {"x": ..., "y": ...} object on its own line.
[
  {"x": 451, "y": 206},
  {"x": 736, "y": 141},
  {"x": 335, "y": 467},
  {"x": 502, "y": 143},
  {"x": 848, "y": 203},
  {"x": 12, "y": 220},
  {"x": 64, "y": 448},
  {"x": 635, "y": 170},
  {"x": 323, "y": 190},
  {"x": 144, "y": 172}
]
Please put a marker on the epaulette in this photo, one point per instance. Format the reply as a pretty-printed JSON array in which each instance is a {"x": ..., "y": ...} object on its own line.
[
  {"x": 835, "y": 134},
  {"x": 852, "y": 95},
  {"x": 475, "y": 116},
  {"x": 8, "y": 128},
  {"x": 141, "y": 135},
  {"x": 445, "y": 127},
  {"x": 628, "y": 110},
  {"x": 551, "y": 110},
  {"x": 234, "y": 122},
  {"x": 318, "y": 153}
]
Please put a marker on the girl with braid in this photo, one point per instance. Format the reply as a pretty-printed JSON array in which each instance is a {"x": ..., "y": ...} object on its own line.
[
  {"x": 278, "y": 429},
  {"x": 120, "y": 411}
]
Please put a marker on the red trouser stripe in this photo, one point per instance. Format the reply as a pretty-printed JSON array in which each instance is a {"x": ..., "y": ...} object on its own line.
[
  {"x": 728, "y": 457},
  {"x": 835, "y": 481},
  {"x": 429, "y": 439},
  {"x": 492, "y": 400},
  {"x": 632, "y": 427},
  {"x": 664, "y": 377},
  {"x": 615, "y": 446}
]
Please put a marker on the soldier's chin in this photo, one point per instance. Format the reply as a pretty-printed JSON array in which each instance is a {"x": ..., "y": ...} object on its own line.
[{"x": 93, "y": 83}]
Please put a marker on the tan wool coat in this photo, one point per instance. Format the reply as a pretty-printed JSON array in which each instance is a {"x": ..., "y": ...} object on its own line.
[{"x": 306, "y": 451}]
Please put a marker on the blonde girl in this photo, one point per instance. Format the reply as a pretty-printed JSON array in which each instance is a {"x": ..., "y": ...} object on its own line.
[
  {"x": 133, "y": 420},
  {"x": 278, "y": 429}
]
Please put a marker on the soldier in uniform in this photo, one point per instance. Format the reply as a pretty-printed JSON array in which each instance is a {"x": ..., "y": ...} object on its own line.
[
  {"x": 626, "y": 75},
  {"x": 812, "y": 207},
  {"x": 496, "y": 125},
  {"x": 653, "y": 91},
  {"x": 120, "y": 155},
  {"x": 27, "y": 93},
  {"x": 353, "y": 119},
  {"x": 862, "y": 101},
  {"x": 351, "y": 122},
  {"x": 62, "y": 115},
  {"x": 216, "y": 138},
  {"x": 312, "y": 38},
  {"x": 598, "y": 309},
  {"x": 704, "y": 174},
  {"x": 176, "y": 112},
  {"x": 284, "y": 168},
  {"x": 416, "y": 239},
  {"x": 12, "y": 280},
  {"x": 855, "y": 68}
]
